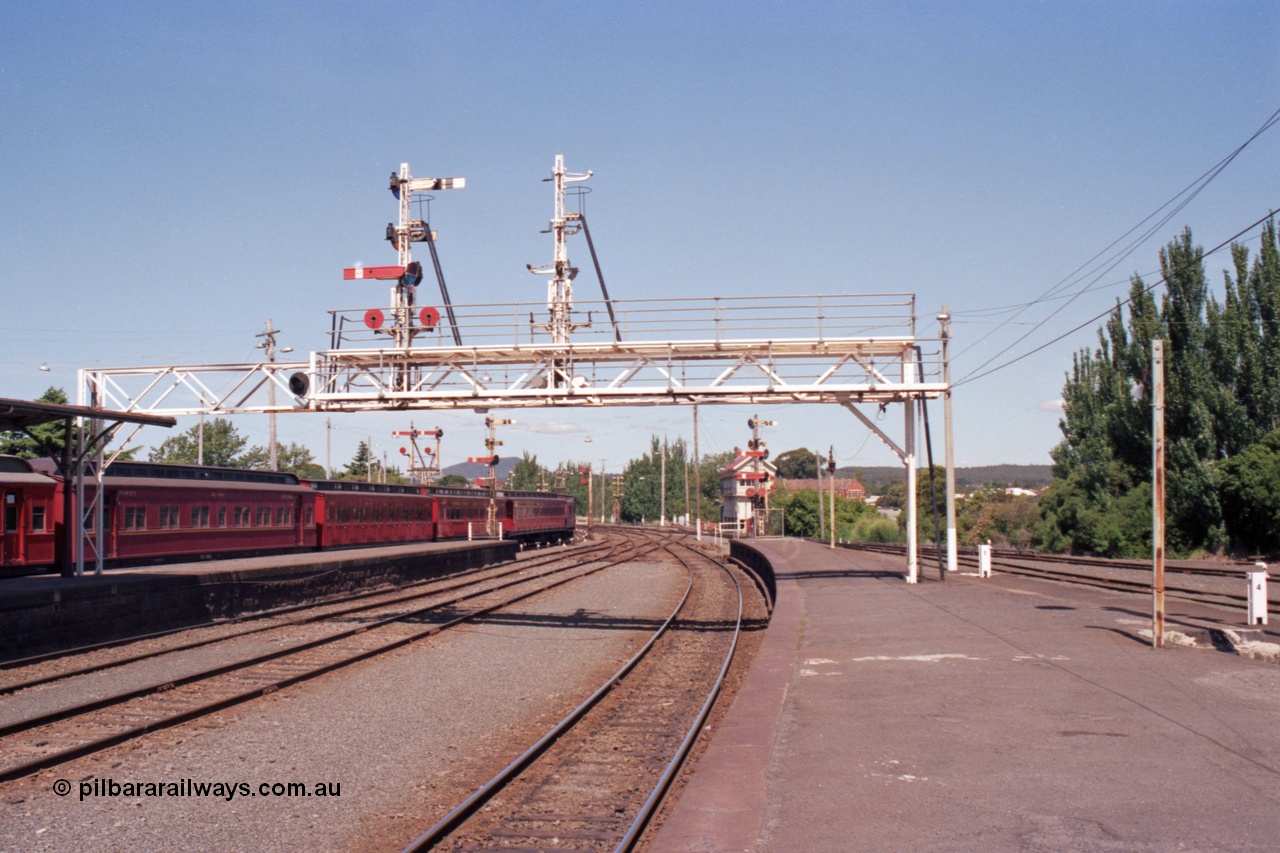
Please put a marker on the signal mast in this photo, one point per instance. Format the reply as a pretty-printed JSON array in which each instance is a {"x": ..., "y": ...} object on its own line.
[
  {"x": 560, "y": 288},
  {"x": 407, "y": 273},
  {"x": 420, "y": 471},
  {"x": 759, "y": 452},
  {"x": 492, "y": 443}
]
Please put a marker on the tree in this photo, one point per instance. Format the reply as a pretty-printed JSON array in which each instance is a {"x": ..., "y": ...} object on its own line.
[
  {"x": 49, "y": 438},
  {"x": 452, "y": 480},
  {"x": 1222, "y": 384},
  {"x": 359, "y": 466},
  {"x": 222, "y": 446},
  {"x": 526, "y": 475},
  {"x": 642, "y": 483},
  {"x": 798, "y": 464},
  {"x": 1250, "y": 491},
  {"x": 294, "y": 459}
]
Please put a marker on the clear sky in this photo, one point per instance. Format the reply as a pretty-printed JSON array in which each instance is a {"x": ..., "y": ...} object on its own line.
[{"x": 175, "y": 173}]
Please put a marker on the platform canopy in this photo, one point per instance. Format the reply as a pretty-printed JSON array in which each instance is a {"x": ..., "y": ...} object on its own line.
[{"x": 24, "y": 414}]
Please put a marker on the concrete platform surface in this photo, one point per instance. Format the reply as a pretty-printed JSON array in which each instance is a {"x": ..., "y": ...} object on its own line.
[{"x": 1001, "y": 714}]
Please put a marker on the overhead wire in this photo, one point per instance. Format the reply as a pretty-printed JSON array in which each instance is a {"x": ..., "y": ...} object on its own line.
[
  {"x": 1191, "y": 191},
  {"x": 1203, "y": 254}
]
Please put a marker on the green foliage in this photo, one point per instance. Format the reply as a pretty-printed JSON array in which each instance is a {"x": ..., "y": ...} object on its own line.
[
  {"x": 223, "y": 446},
  {"x": 1222, "y": 395},
  {"x": 1250, "y": 492},
  {"x": 527, "y": 474},
  {"x": 360, "y": 466},
  {"x": 876, "y": 528},
  {"x": 894, "y": 495},
  {"x": 45, "y": 440},
  {"x": 642, "y": 483},
  {"x": 294, "y": 459},
  {"x": 798, "y": 464},
  {"x": 802, "y": 509},
  {"x": 452, "y": 480}
]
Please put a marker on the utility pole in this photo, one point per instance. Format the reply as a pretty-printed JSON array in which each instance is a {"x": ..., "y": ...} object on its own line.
[
  {"x": 822, "y": 521},
  {"x": 944, "y": 321},
  {"x": 602, "y": 491},
  {"x": 269, "y": 344},
  {"x": 662, "y": 498},
  {"x": 831, "y": 470},
  {"x": 328, "y": 448},
  {"x": 697, "y": 476},
  {"x": 684, "y": 457},
  {"x": 1157, "y": 495},
  {"x": 200, "y": 442}
]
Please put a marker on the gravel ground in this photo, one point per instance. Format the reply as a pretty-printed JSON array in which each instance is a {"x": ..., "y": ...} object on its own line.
[{"x": 401, "y": 735}]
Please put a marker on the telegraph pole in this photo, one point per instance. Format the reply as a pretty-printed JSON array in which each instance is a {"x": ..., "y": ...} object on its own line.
[
  {"x": 831, "y": 470},
  {"x": 944, "y": 321},
  {"x": 269, "y": 344},
  {"x": 662, "y": 499},
  {"x": 697, "y": 476},
  {"x": 822, "y": 521},
  {"x": 1157, "y": 495}
]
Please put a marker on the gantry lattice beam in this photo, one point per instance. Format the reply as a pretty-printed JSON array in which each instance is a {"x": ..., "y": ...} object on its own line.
[{"x": 820, "y": 349}]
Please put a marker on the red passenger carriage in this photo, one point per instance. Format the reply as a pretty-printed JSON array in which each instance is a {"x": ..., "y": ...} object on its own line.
[
  {"x": 28, "y": 503},
  {"x": 157, "y": 511},
  {"x": 460, "y": 513},
  {"x": 355, "y": 513},
  {"x": 537, "y": 516}
]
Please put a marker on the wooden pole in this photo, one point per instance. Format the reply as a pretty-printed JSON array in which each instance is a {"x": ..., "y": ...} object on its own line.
[{"x": 1157, "y": 495}]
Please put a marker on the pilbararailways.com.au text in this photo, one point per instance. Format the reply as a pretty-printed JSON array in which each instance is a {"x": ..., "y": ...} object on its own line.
[{"x": 191, "y": 788}]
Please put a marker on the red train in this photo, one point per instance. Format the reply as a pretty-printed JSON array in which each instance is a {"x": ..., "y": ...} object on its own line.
[{"x": 154, "y": 513}]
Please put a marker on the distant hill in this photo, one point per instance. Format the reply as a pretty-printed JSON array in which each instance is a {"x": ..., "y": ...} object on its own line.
[
  {"x": 471, "y": 470},
  {"x": 966, "y": 478}
]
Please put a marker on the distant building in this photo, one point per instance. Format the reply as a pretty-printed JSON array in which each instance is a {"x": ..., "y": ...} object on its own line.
[
  {"x": 1020, "y": 492},
  {"x": 845, "y": 488},
  {"x": 744, "y": 485}
]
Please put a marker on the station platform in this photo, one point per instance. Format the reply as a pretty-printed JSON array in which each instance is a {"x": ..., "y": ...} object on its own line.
[
  {"x": 998, "y": 714},
  {"x": 43, "y": 613}
]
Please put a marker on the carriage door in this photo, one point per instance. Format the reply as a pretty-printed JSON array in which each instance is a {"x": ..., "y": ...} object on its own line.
[{"x": 11, "y": 531}]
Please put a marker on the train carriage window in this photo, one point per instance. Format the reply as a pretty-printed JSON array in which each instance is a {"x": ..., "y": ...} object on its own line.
[
  {"x": 262, "y": 517},
  {"x": 306, "y": 517},
  {"x": 280, "y": 516},
  {"x": 37, "y": 518},
  {"x": 135, "y": 518},
  {"x": 222, "y": 516}
]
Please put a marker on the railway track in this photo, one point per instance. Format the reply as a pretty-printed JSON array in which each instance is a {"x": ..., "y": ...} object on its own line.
[
  {"x": 16, "y": 673},
  {"x": 47, "y": 739},
  {"x": 595, "y": 778},
  {"x": 1215, "y": 586}
]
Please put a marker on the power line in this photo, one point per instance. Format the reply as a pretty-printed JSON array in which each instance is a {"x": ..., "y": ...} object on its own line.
[
  {"x": 1110, "y": 263},
  {"x": 972, "y": 376}
]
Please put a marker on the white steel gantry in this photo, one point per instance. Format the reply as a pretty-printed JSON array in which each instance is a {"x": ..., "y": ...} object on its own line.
[{"x": 844, "y": 349}]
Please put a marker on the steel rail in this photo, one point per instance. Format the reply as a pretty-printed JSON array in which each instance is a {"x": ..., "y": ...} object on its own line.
[
  {"x": 61, "y": 756},
  {"x": 1017, "y": 566},
  {"x": 388, "y": 597},
  {"x": 481, "y": 795},
  {"x": 659, "y": 792}
]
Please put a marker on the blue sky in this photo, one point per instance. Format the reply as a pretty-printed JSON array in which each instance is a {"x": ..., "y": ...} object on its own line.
[{"x": 176, "y": 173}]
